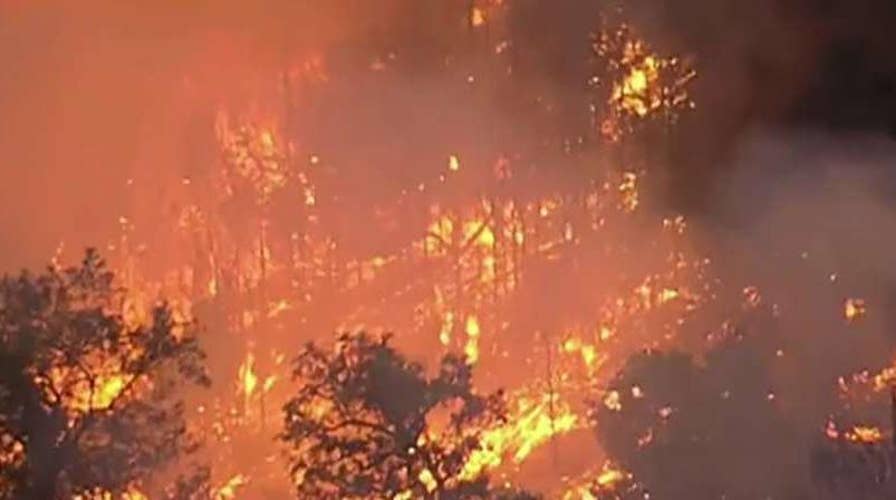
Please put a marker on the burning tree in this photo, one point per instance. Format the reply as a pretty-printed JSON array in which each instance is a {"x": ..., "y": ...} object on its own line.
[
  {"x": 88, "y": 401},
  {"x": 636, "y": 85},
  {"x": 368, "y": 422}
]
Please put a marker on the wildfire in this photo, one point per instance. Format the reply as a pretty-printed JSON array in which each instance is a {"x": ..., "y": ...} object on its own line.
[{"x": 286, "y": 258}]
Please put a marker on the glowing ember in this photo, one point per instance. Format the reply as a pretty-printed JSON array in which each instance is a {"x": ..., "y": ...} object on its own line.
[{"x": 611, "y": 401}]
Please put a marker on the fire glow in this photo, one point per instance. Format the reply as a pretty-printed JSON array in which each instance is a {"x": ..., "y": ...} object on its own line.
[{"x": 477, "y": 248}]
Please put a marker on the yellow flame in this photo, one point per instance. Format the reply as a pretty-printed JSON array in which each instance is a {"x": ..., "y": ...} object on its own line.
[
  {"x": 477, "y": 17},
  {"x": 484, "y": 235},
  {"x": 447, "y": 327},
  {"x": 534, "y": 421},
  {"x": 865, "y": 434},
  {"x": 609, "y": 477},
  {"x": 228, "y": 491},
  {"x": 472, "y": 331},
  {"x": 99, "y": 393},
  {"x": 638, "y": 93},
  {"x": 248, "y": 380},
  {"x": 453, "y": 163},
  {"x": 134, "y": 494},
  {"x": 428, "y": 480},
  {"x": 854, "y": 309}
]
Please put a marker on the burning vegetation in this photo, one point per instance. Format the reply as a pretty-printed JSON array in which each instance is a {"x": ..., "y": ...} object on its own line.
[{"x": 334, "y": 304}]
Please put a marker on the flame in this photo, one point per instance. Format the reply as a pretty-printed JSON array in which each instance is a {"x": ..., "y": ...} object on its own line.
[
  {"x": 610, "y": 477},
  {"x": 646, "y": 84},
  {"x": 587, "y": 351},
  {"x": 447, "y": 327},
  {"x": 865, "y": 434},
  {"x": 453, "y": 163},
  {"x": 477, "y": 17},
  {"x": 228, "y": 491},
  {"x": 428, "y": 480},
  {"x": 473, "y": 256},
  {"x": 134, "y": 494},
  {"x": 611, "y": 401},
  {"x": 637, "y": 93},
  {"x": 472, "y": 347},
  {"x": 534, "y": 420},
  {"x": 105, "y": 385},
  {"x": 108, "y": 391},
  {"x": 278, "y": 307},
  {"x": 854, "y": 309},
  {"x": 609, "y": 481},
  {"x": 479, "y": 232},
  {"x": 254, "y": 154},
  {"x": 248, "y": 380}
]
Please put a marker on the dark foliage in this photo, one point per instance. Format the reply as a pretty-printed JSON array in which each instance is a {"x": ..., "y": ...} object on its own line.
[
  {"x": 65, "y": 427},
  {"x": 713, "y": 430},
  {"x": 845, "y": 468},
  {"x": 366, "y": 422}
]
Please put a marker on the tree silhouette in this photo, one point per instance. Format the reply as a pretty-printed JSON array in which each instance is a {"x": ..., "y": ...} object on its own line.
[
  {"x": 845, "y": 467},
  {"x": 703, "y": 430},
  {"x": 842, "y": 469},
  {"x": 366, "y": 422},
  {"x": 87, "y": 393}
]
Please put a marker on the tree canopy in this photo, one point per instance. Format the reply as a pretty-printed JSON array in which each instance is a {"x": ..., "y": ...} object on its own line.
[
  {"x": 368, "y": 422},
  {"x": 707, "y": 429},
  {"x": 88, "y": 392}
]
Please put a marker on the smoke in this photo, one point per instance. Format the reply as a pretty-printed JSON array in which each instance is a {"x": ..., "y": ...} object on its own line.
[
  {"x": 808, "y": 221},
  {"x": 770, "y": 64},
  {"x": 804, "y": 218}
]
